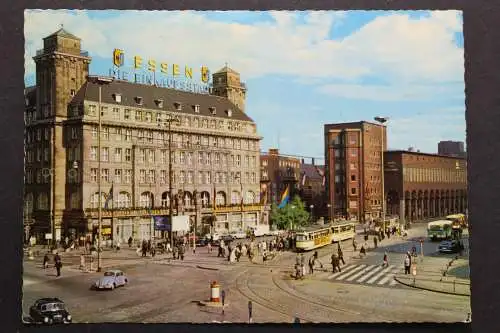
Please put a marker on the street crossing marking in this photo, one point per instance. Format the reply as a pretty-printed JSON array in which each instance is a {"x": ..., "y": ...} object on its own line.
[
  {"x": 343, "y": 276},
  {"x": 344, "y": 269},
  {"x": 366, "y": 274},
  {"x": 373, "y": 271}
]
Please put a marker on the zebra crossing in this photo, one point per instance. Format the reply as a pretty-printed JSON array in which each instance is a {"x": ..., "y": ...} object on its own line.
[{"x": 377, "y": 275}]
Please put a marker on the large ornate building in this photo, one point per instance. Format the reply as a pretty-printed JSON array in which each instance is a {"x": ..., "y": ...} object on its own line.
[{"x": 215, "y": 151}]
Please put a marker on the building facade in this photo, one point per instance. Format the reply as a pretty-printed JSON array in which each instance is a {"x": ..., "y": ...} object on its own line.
[
  {"x": 420, "y": 186},
  {"x": 312, "y": 189},
  {"x": 353, "y": 169},
  {"x": 451, "y": 148},
  {"x": 214, "y": 151},
  {"x": 277, "y": 173}
]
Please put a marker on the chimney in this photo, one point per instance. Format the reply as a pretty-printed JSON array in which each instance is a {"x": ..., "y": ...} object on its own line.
[{"x": 312, "y": 161}]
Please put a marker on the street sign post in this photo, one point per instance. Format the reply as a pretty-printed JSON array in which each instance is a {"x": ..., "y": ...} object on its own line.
[
  {"x": 249, "y": 312},
  {"x": 223, "y": 297}
]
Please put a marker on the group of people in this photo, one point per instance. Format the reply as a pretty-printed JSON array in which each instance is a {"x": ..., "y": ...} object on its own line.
[{"x": 57, "y": 262}]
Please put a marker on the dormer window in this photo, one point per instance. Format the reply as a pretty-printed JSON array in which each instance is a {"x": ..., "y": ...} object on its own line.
[
  {"x": 196, "y": 108},
  {"x": 138, "y": 100},
  {"x": 117, "y": 98},
  {"x": 213, "y": 110},
  {"x": 159, "y": 102},
  {"x": 178, "y": 106},
  {"x": 229, "y": 112}
]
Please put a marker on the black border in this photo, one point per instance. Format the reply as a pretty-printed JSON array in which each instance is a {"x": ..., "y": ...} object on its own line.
[{"x": 482, "y": 78}]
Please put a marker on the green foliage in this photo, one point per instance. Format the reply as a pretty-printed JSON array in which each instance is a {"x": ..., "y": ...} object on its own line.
[{"x": 292, "y": 215}]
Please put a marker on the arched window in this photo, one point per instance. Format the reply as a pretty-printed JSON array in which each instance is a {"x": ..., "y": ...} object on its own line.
[
  {"x": 220, "y": 199},
  {"x": 165, "y": 199},
  {"x": 249, "y": 197},
  {"x": 94, "y": 200},
  {"x": 28, "y": 203},
  {"x": 123, "y": 200},
  {"x": 146, "y": 200},
  {"x": 74, "y": 200},
  {"x": 187, "y": 199},
  {"x": 205, "y": 199},
  {"x": 235, "y": 197}
]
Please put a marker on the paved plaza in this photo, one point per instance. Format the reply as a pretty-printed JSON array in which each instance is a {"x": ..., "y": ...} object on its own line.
[{"x": 164, "y": 290}]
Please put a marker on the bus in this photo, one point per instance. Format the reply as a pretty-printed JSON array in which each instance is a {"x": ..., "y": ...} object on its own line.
[
  {"x": 316, "y": 237},
  {"x": 441, "y": 229}
]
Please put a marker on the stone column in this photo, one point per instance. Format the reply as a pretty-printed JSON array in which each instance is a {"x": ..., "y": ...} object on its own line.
[
  {"x": 438, "y": 201},
  {"x": 402, "y": 212},
  {"x": 409, "y": 209}
]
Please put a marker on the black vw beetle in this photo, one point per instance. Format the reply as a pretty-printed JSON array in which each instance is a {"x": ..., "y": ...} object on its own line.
[{"x": 49, "y": 311}]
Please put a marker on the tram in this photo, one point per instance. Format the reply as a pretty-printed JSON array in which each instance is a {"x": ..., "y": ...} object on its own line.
[{"x": 313, "y": 238}]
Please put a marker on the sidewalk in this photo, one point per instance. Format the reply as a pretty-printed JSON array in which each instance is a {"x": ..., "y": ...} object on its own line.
[{"x": 433, "y": 274}]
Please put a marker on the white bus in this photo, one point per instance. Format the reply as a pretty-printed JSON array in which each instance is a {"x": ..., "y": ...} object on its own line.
[{"x": 441, "y": 229}]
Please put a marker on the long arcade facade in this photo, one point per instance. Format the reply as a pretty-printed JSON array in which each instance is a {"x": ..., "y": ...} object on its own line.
[
  {"x": 214, "y": 152},
  {"x": 421, "y": 186}
]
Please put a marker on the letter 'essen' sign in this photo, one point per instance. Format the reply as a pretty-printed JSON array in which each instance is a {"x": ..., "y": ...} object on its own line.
[{"x": 161, "y": 74}]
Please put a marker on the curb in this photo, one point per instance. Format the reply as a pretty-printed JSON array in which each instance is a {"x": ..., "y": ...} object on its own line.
[
  {"x": 212, "y": 304},
  {"x": 429, "y": 289},
  {"x": 207, "y": 268}
]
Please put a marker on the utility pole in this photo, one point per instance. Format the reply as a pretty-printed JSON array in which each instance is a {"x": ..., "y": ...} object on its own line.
[
  {"x": 382, "y": 121},
  {"x": 100, "y": 81}
]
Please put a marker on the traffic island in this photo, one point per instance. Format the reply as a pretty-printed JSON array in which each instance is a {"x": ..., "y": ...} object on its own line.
[{"x": 460, "y": 287}]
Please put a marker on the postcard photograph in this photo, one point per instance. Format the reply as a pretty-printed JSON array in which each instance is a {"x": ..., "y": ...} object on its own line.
[{"x": 245, "y": 167}]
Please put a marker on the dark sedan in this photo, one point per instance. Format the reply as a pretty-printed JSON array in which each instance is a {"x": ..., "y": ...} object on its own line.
[
  {"x": 49, "y": 311},
  {"x": 449, "y": 247}
]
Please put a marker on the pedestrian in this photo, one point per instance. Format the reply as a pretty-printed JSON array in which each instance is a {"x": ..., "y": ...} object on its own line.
[
  {"x": 407, "y": 264},
  {"x": 335, "y": 263},
  {"x": 46, "y": 260},
  {"x": 181, "y": 251},
  {"x": 375, "y": 242},
  {"x": 362, "y": 251},
  {"x": 118, "y": 244},
  {"x": 130, "y": 242},
  {"x": 354, "y": 244},
  {"x": 58, "y": 264},
  {"x": 82, "y": 261},
  {"x": 209, "y": 247},
  {"x": 311, "y": 265},
  {"x": 340, "y": 255},
  {"x": 386, "y": 260}
]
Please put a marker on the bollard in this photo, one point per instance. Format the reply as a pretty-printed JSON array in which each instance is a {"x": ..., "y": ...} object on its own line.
[{"x": 214, "y": 292}]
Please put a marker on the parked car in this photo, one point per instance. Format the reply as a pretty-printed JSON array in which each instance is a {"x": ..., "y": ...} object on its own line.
[
  {"x": 214, "y": 236},
  {"x": 449, "y": 246},
  {"x": 274, "y": 232},
  {"x": 49, "y": 311},
  {"x": 238, "y": 235},
  {"x": 111, "y": 279},
  {"x": 202, "y": 242},
  {"x": 227, "y": 238}
]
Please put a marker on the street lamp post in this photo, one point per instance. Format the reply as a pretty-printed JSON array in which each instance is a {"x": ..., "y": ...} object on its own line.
[
  {"x": 169, "y": 121},
  {"x": 100, "y": 81},
  {"x": 329, "y": 206},
  {"x": 382, "y": 121},
  {"x": 312, "y": 213}
]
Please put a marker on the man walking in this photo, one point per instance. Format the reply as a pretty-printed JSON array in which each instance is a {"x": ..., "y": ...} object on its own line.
[
  {"x": 375, "y": 242},
  {"x": 354, "y": 244},
  {"x": 341, "y": 256},
  {"x": 311, "y": 264},
  {"x": 335, "y": 263},
  {"x": 407, "y": 263},
  {"x": 386, "y": 260},
  {"x": 58, "y": 264},
  {"x": 45, "y": 260}
]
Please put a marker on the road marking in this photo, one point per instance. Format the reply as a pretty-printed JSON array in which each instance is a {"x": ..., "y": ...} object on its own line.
[
  {"x": 373, "y": 271},
  {"x": 29, "y": 282},
  {"x": 385, "y": 279},
  {"x": 393, "y": 282},
  {"x": 345, "y": 269},
  {"x": 352, "y": 277},
  {"x": 376, "y": 277},
  {"x": 343, "y": 276}
]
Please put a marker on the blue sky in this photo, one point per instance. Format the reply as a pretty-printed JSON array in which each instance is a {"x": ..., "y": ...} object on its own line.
[{"x": 302, "y": 69}]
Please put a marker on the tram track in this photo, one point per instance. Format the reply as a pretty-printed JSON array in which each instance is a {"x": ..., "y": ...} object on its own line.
[{"x": 290, "y": 304}]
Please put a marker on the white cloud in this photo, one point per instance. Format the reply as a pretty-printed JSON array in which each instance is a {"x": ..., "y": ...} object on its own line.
[
  {"x": 393, "y": 46},
  {"x": 388, "y": 93}
]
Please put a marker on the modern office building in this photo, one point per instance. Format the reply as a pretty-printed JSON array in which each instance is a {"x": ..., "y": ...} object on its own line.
[
  {"x": 451, "y": 148},
  {"x": 353, "y": 169},
  {"x": 214, "y": 151},
  {"x": 420, "y": 186}
]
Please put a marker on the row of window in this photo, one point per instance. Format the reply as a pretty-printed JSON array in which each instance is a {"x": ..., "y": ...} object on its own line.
[
  {"x": 149, "y": 136},
  {"x": 181, "y": 177},
  {"x": 183, "y": 158},
  {"x": 434, "y": 175},
  {"x": 119, "y": 114},
  {"x": 146, "y": 199}
]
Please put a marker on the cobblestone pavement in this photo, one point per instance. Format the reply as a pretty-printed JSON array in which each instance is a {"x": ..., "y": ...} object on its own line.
[{"x": 163, "y": 290}]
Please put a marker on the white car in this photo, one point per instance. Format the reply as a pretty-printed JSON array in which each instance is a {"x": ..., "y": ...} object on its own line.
[
  {"x": 215, "y": 236},
  {"x": 274, "y": 233},
  {"x": 238, "y": 234},
  {"x": 111, "y": 279}
]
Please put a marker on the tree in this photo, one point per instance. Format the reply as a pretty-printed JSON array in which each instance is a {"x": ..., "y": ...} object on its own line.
[{"x": 292, "y": 215}]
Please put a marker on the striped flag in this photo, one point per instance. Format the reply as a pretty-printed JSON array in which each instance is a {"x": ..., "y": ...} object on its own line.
[
  {"x": 285, "y": 197},
  {"x": 109, "y": 198}
]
